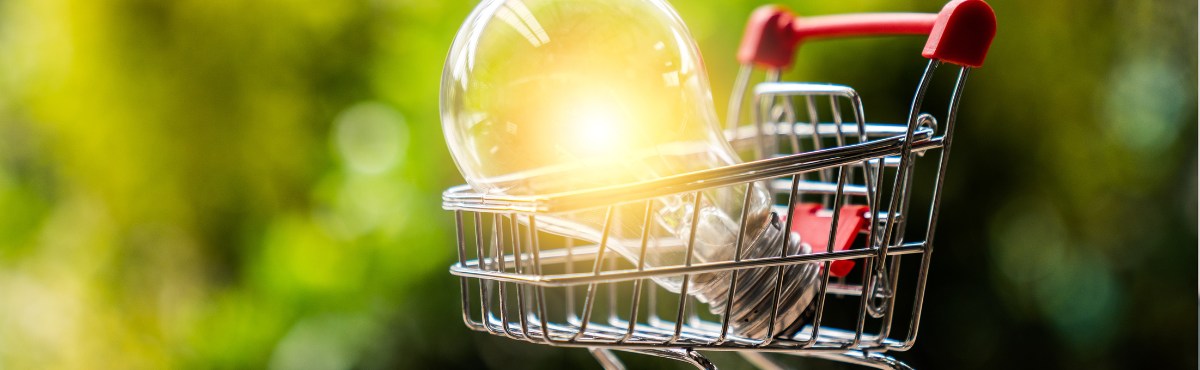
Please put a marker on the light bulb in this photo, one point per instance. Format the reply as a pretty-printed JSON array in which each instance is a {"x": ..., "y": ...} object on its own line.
[{"x": 548, "y": 96}]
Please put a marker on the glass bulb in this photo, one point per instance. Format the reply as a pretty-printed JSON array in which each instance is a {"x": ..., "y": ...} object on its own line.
[{"x": 548, "y": 96}]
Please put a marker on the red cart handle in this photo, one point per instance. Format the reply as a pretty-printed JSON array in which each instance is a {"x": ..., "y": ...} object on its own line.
[{"x": 961, "y": 33}]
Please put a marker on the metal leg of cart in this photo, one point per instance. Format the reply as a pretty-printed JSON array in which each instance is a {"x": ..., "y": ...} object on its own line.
[
  {"x": 875, "y": 360},
  {"x": 609, "y": 361},
  {"x": 761, "y": 361},
  {"x": 872, "y": 359}
]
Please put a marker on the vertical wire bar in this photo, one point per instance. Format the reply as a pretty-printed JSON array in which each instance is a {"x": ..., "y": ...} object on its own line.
[
  {"x": 845, "y": 175},
  {"x": 499, "y": 256},
  {"x": 633, "y": 311},
  {"x": 485, "y": 294},
  {"x": 874, "y": 237},
  {"x": 841, "y": 140},
  {"x": 693, "y": 315},
  {"x": 691, "y": 249},
  {"x": 464, "y": 284},
  {"x": 894, "y": 265},
  {"x": 837, "y": 124},
  {"x": 872, "y": 180},
  {"x": 787, "y": 238},
  {"x": 868, "y": 180},
  {"x": 756, "y": 112},
  {"x": 944, "y": 160},
  {"x": 589, "y": 301},
  {"x": 886, "y": 294},
  {"x": 773, "y": 75},
  {"x": 530, "y": 269},
  {"x": 535, "y": 248},
  {"x": 790, "y": 119},
  {"x": 873, "y": 201},
  {"x": 570, "y": 269},
  {"x": 905, "y": 202},
  {"x": 876, "y": 234},
  {"x": 652, "y": 316},
  {"x": 613, "y": 314},
  {"x": 641, "y": 266},
  {"x": 894, "y": 275},
  {"x": 737, "y": 257},
  {"x": 519, "y": 267},
  {"x": 901, "y": 173},
  {"x": 740, "y": 84},
  {"x": 836, "y": 110},
  {"x": 838, "y": 200},
  {"x": 913, "y": 113},
  {"x": 814, "y": 120},
  {"x": 786, "y": 112},
  {"x": 862, "y": 301},
  {"x": 529, "y": 293}
]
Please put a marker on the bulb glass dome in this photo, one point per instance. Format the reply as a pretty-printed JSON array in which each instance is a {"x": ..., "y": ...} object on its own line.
[{"x": 548, "y": 96}]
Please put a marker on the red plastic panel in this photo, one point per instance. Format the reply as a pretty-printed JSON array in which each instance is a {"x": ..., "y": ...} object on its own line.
[{"x": 814, "y": 230}]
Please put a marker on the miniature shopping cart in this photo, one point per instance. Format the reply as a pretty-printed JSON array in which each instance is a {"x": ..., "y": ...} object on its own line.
[{"x": 845, "y": 184}]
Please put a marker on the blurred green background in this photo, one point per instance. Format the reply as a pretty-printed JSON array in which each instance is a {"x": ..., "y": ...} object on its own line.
[{"x": 250, "y": 184}]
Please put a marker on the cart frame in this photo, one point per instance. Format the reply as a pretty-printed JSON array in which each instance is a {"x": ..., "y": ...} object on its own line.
[{"x": 520, "y": 281}]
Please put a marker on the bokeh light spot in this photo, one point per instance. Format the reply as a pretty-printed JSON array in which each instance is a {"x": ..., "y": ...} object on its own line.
[
  {"x": 1082, "y": 300},
  {"x": 1029, "y": 242},
  {"x": 1145, "y": 103},
  {"x": 1065, "y": 281},
  {"x": 370, "y": 137},
  {"x": 327, "y": 342}
]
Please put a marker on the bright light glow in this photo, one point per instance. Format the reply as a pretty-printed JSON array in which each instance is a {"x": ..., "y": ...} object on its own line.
[
  {"x": 598, "y": 130},
  {"x": 566, "y": 95}
]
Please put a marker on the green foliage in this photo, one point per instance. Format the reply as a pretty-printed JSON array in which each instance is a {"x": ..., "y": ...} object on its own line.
[{"x": 246, "y": 184}]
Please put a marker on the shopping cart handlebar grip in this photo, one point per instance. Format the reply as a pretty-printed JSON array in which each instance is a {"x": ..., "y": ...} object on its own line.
[{"x": 961, "y": 33}]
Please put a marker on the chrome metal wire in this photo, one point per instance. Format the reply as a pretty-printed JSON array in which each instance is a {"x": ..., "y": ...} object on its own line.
[{"x": 521, "y": 280}]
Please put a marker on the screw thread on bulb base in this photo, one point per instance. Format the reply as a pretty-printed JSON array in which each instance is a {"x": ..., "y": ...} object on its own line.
[{"x": 754, "y": 293}]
